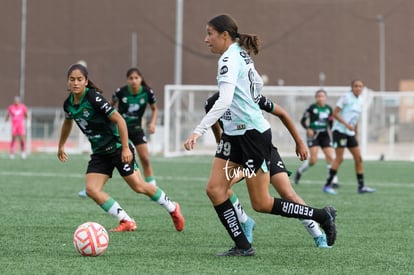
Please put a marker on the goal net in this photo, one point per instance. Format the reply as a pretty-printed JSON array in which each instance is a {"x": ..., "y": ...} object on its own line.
[{"x": 385, "y": 128}]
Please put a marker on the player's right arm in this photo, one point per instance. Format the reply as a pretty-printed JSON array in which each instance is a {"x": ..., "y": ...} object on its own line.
[{"x": 64, "y": 134}]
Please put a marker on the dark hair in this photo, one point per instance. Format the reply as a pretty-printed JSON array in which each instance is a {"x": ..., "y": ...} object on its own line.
[
  {"x": 84, "y": 71},
  {"x": 136, "y": 70},
  {"x": 320, "y": 91},
  {"x": 355, "y": 80},
  {"x": 226, "y": 23}
]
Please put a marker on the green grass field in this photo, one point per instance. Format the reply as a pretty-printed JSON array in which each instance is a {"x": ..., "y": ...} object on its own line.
[{"x": 40, "y": 210}]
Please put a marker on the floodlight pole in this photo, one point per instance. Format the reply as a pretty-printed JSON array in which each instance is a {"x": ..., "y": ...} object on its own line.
[
  {"x": 178, "y": 42},
  {"x": 23, "y": 50},
  {"x": 381, "y": 24}
]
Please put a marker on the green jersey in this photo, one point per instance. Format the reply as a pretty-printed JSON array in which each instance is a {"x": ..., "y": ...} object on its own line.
[
  {"x": 132, "y": 106},
  {"x": 320, "y": 118},
  {"x": 92, "y": 116}
]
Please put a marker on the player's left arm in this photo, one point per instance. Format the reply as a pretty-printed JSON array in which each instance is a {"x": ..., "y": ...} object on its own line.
[{"x": 154, "y": 114}]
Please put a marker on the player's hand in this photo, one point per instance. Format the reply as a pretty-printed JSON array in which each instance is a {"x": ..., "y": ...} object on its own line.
[
  {"x": 126, "y": 155},
  {"x": 310, "y": 133},
  {"x": 62, "y": 156},
  {"x": 191, "y": 141},
  {"x": 302, "y": 151},
  {"x": 151, "y": 128}
]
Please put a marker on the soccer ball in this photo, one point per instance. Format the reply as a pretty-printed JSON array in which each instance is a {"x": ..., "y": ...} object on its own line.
[{"x": 91, "y": 239}]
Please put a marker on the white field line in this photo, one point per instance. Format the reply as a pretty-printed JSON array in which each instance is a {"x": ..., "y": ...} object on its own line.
[{"x": 191, "y": 179}]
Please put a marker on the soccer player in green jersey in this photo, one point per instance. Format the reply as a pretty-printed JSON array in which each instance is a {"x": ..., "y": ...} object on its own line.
[
  {"x": 107, "y": 133},
  {"x": 317, "y": 120},
  {"x": 132, "y": 100}
]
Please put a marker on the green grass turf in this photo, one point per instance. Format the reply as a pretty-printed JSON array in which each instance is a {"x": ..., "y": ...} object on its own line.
[{"x": 40, "y": 210}]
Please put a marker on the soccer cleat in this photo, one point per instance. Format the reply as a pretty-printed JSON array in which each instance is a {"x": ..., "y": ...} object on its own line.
[
  {"x": 23, "y": 155},
  {"x": 234, "y": 251},
  {"x": 329, "y": 190},
  {"x": 177, "y": 218},
  {"x": 82, "y": 194},
  {"x": 297, "y": 177},
  {"x": 11, "y": 156},
  {"x": 320, "y": 241},
  {"x": 329, "y": 226},
  {"x": 124, "y": 226},
  {"x": 366, "y": 189},
  {"x": 248, "y": 228},
  {"x": 335, "y": 185}
]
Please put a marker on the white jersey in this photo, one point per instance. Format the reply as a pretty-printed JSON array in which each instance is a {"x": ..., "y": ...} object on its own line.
[
  {"x": 236, "y": 67},
  {"x": 351, "y": 109}
]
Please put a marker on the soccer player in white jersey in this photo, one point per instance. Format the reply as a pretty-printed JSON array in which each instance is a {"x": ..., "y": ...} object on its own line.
[
  {"x": 344, "y": 131},
  {"x": 246, "y": 141}
]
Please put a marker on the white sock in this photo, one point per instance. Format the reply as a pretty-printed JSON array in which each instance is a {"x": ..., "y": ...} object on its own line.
[
  {"x": 162, "y": 199},
  {"x": 304, "y": 166},
  {"x": 151, "y": 180},
  {"x": 115, "y": 210},
  {"x": 241, "y": 215},
  {"x": 312, "y": 227}
]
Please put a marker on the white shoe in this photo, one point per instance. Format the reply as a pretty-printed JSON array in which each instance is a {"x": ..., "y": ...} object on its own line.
[
  {"x": 24, "y": 155},
  {"x": 11, "y": 156}
]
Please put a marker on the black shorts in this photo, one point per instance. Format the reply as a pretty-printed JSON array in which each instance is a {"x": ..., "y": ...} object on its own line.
[
  {"x": 341, "y": 140},
  {"x": 137, "y": 136},
  {"x": 321, "y": 139},
  {"x": 276, "y": 163},
  {"x": 251, "y": 150},
  {"x": 105, "y": 164}
]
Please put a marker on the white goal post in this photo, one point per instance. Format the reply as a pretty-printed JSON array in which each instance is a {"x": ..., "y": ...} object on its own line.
[{"x": 385, "y": 129}]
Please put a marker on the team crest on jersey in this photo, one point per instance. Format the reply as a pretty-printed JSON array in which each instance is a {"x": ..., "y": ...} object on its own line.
[
  {"x": 224, "y": 70},
  {"x": 86, "y": 113},
  {"x": 124, "y": 99},
  {"x": 142, "y": 101},
  {"x": 315, "y": 111}
]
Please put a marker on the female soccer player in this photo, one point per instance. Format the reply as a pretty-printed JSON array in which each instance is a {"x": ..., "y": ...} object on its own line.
[
  {"x": 279, "y": 177},
  {"x": 245, "y": 144},
  {"x": 346, "y": 113},
  {"x": 18, "y": 113},
  {"x": 132, "y": 101},
  {"x": 107, "y": 132},
  {"x": 317, "y": 120}
]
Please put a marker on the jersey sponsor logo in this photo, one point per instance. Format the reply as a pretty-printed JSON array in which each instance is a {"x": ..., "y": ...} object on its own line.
[
  {"x": 86, "y": 113},
  {"x": 241, "y": 126},
  {"x": 226, "y": 115},
  {"x": 106, "y": 107},
  {"x": 224, "y": 70},
  {"x": 246, "y": 57},
  {"x": 126, "y": 167}
]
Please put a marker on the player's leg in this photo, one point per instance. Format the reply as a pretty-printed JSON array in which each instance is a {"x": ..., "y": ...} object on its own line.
[
  {"x": 94, "y": 189},
  {"x": 137, "y": 183},
  {"x": 143, "y": 154},
  {"x": 356, "y": 154},
  {"x": 263, "y": 202},
  {"x": 246, "y": 222},
  {"x": 281, "y": 183},
  {"x": 222, "y": 172}
]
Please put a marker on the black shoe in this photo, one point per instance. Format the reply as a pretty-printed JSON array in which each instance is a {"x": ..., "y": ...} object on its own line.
[
  {"x": 335, "y": 185},
  {"x": 329, "y": 226},
  {"x": 297, "y": 177},
  {"x": 234, "y": 251}
]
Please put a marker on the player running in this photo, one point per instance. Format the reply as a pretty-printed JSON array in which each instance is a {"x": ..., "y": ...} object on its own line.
[{"x": 317, "y": 120}]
